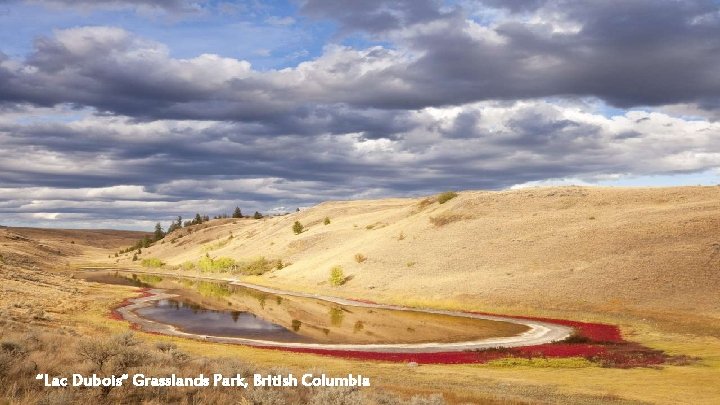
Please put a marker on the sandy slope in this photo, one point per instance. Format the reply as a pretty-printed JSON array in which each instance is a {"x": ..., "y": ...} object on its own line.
[{"x": 648, "y": 252}]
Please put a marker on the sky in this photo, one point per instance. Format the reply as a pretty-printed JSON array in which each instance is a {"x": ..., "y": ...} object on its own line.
[{"x": 123, "y": 113}]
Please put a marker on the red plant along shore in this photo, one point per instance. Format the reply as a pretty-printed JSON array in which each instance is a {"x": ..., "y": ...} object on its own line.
[{"x": 597, "y": 342}]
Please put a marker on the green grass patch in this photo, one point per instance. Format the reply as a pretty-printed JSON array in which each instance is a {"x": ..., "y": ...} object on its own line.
[
  {"x": 566, "y": 362},
  {"x": 152, "y": 262}
]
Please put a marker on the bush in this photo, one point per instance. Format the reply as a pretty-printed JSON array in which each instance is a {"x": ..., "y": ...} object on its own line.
[
  {"x": 97, "y": 351},
  {"x": 221, "y": 264},
  {"x": 188, "y": 265},
  {"x": 298, "y": 228},
  {"x": 152, "y": 262},
  {"x": 326, "y": 221},
  {"x": 446, "y": 196},
  {"x": 258, "y": 266},
  {"x": 205, "y": 263},
  {"x": 165, "y": 347},
  {"x": 337, "y": 277},
  {"x": 359, "y": 257}
]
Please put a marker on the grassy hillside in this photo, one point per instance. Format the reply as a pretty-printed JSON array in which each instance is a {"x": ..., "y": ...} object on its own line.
[
  {"x": 54, "y": 248},
  {"x": 645, "y": 259},
  {"x": 652, "y": 253}
]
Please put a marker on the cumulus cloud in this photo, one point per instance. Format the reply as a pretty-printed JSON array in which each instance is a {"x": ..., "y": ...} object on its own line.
[
  {"x": 629, "y": 53},
  {"x": 167, "y": 168},
  {"x": 464, "y": 95},
  {"x": 142, "y": 6}
]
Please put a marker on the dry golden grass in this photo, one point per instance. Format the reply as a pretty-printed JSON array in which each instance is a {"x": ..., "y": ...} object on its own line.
[
  {"x": 653, "y": 253},
  {"x": 646, "y": 259}
]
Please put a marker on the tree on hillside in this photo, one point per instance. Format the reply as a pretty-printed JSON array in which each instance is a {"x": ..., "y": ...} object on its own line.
[
  {"x": 159, "y": 233},
  {"x": 298, "y": 228},
  {"x": 257, "y": 215},
  {"x": 205, "y": 218},
  {"x": 198, "y": 219},
  {"x": 237, "y": 213}
]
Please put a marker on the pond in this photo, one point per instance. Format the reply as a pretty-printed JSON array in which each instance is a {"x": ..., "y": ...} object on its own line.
[{"x": 219, "y": 308}]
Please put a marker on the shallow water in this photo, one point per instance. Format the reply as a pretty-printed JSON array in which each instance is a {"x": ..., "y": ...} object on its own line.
[
  {"x": 222, "y": 309},
  {"x": 194, "y": 318}
]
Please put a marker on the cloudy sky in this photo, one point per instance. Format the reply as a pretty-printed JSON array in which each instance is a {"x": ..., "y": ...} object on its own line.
[{"x": 121, "y": 113}]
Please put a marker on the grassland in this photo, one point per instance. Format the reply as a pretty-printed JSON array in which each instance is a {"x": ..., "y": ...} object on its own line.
[{"x": 645, "y": 259}]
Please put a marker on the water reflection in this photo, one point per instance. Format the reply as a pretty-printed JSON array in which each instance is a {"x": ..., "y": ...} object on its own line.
[
  {"x": 194, "y": 318},
  {"x": 224, "y": 309}
]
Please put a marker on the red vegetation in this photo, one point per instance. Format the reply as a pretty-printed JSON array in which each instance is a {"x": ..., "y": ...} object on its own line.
[
  {"x": 115, "y": 315},
  {"x": 592, "y": 332},
  {"x": 626, "y": 355},
  {"x": 597, "y": 342}
]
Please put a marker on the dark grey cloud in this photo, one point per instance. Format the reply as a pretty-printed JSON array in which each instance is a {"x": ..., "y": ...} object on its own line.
[
  {"x": 374, "y": 16},
  {"x": 148, "y": 171},
  {"x": 99, "y": 123},
  {"x": 515, "y": 6},
  {"x": 628, "y": 53}
]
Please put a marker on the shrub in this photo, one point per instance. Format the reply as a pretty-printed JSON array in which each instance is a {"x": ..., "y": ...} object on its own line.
[
  {"x": 359, "y": 257},
  {"x": 13, "y": 349},
  {"x": 326, "y": 221},
  {"x": 425, "y": 202},
  {"x": 165, "y": 346},
  {"x": 338, "y": 396},
  {"x": 97, "y": 351},
  {"x": 152, "y": 262},
  {"x": 258, "y": 266},
  {"x": 221, "y": 264},
  {"x": 446, "y": 196},
  {"x": 298, "y": 228},
  {"x": 134, "y": 257},
  {"x": 205, "y": 263},
  {"x": 188, "y": 265},
  {"x": 257, "y": 215},
  {"x": 336, "y": 316},
  {"x": 337, "y": 277},
  {"x": 444, "y": 219}
]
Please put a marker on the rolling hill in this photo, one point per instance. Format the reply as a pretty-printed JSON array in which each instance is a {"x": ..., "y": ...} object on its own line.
[{"x": 651, "y": 253}]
